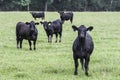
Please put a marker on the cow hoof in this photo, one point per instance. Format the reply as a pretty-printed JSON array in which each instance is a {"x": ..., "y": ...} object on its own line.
[
  {"x": 86, "y": 74},
  {"x": 30, "y": 48},
  {"x": 75, "y": 73}
]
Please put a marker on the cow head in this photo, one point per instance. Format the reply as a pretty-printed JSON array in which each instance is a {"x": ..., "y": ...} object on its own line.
[
  {"x": 61, "y": 12},
  {"x": 32, "y": 26},
  {"x": 45, "y": 24},
  {"x": 32, "y": 13},
  {"x": 82, "y": 31}
]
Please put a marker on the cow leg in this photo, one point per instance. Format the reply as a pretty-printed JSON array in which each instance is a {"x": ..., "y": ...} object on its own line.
[
  {"x": 30, "y": 44},
  {"x": 51, "y": 38},
  {"x": 82, "y": 63},
  {"x": 48, "y": 38},
  {"x": 34, "y": 45},
  {"x": 21, "y": 43},
  {"x": 86, "y": 65},
  {"x": 17, "y": 42},
  {"x": 76, "y": 66},
  {"x": 60, "y": 36},
  {"x": 71, "y": 19},
  {"x": 56, "y": 37}
]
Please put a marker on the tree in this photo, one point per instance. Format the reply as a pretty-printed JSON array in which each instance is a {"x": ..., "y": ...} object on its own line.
[
  {"x": 60, "y": 5},
  {"x": 22, "y": 3},
  {"x": 47, "y": 2},
  {"x": 26, "y": 3}
]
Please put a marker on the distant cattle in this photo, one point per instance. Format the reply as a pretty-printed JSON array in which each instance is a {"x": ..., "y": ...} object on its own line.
[
  {"x": 82, "y": 47},
  {"x": 38, "y": 15},
  {"x": 51, "y": 28},
  {"x": 66, "y": 16},
  {"x": 26, "y": 31}
]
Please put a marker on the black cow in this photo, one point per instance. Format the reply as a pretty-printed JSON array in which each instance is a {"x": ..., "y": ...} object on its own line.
[
  {"x": 38, "y": 15},
  {"x": 51, "y": 28},
  {"x": 26, "y": 31},
  {"x": 66, "y": 16},
  {"x": 82, "y": 47}
]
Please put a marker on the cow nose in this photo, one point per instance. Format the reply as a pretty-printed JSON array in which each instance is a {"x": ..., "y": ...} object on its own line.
[
  {"x": 32, "y": 29},
  {"x": 82, "y": 36}
]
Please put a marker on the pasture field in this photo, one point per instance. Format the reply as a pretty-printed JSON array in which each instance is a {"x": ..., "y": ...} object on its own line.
[{"x": 54, "y": 61}]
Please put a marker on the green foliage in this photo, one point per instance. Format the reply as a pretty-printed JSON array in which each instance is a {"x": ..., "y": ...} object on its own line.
[
  {"x": 25, "y": 2},
  {"x": 55, "y": 5},
  {"x": 54, "y": 61},
  {"x": 21, "y": 2}
]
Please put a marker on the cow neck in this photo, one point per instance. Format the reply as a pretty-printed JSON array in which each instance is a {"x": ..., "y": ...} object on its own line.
[
  {"x": 82, "y": 44},
  {"x": 29, "y": 32}
]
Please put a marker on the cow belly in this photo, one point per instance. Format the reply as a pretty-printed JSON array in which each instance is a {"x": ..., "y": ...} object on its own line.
[
  {"x": 80, "y": 54},
  {"x": 33, "y": 38},
  {"x": 56, "y": 31}
]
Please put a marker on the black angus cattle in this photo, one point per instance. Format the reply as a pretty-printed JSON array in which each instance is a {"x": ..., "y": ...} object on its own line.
[
  {"x": 51, "y": 28},
  {"x": 82, "y": 47},
  {"x": 66, "y": 16},
  {"x": 38, "y": 15},
  {"x": 26, "y": 31}
]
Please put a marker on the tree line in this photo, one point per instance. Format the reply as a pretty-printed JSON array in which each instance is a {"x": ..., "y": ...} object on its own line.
[{"x": 59, "y": 5}]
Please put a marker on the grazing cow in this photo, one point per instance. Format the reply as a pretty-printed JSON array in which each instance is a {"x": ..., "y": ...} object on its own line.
[
  {"x": 66, "y": 16},
  {"x": 51, "y": 28},
  {"x": 26, "y": 31},
  {"x": 38, "y": 15},
  {"x": 82, "y": 47}
]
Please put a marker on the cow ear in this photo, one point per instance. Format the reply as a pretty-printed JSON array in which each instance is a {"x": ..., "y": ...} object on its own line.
[
  {"x": 74, "y": 27},
  {"x": 37, "y": 23},
  {"x": 41, "y": 22},
  {"x": 90, "y": 28},
  {"x": 27, "y": 23}
]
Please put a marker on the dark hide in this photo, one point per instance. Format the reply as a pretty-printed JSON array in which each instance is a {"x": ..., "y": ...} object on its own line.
[
  {"x": 38, "y": 15},
  {"x": 66, "y": 16},
  {"x": 82, "y": 47},
  {"x": 26, "y": 31},
  {"x": 51, "y": 28}
]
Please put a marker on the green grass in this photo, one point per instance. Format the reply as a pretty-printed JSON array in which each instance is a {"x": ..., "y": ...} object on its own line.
[{"x": 54, "y": 61}]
